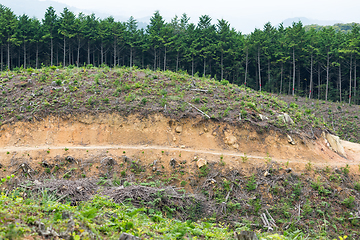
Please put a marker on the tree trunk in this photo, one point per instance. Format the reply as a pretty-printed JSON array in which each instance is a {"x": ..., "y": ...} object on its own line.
[
  {"x": 94, "y": 58},
  {"x": 327, "y": 76},
  {"x": 51, "y": 51},
  {"x": 293, "y": 87},
  {"x": 355, "y": 79},
  {"x": 350, "y": 79},
  {"x": 281, "y": 76},
  {"x": 246, "y": 64},
  {"x": 311, "y": 75},
  {"x": 78, "y": 54},
  {"x": 319, "y": 81},
  {"x": 222, "y": 65},
  {"x": 164, "y": 58},
  {"x": 340, "y": 82},
  {"x": 154, "y": 59},
  {"x": 131, "y": 56},
  {"x": 177, "y": 60},
  {"x": 8, "y": 55},
  {"x": 70, "y": 55},
  {"x": 259, "y": 68},
  {"x": 115, "y": 51},
  {"x": 204, "y": 65},
  {"x": 19, "y": 58},
  {"x": 192, "y": 66},
  {"x": 64, "y": 63},
  {"x": 269, "y": 80},
  {"x": 37, "y": 56},
  {"x": 102, "y": 53},
  {"x": 2, "y": 57},
  {"x": 24, "y": 55},
  {"x": 142, "y": 60},
  {"x": 289, "y": 91},
  {"x": 88, "y": 53}
]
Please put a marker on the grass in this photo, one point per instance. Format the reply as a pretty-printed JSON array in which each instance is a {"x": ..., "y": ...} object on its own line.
[{"x": 99, "y": 218}]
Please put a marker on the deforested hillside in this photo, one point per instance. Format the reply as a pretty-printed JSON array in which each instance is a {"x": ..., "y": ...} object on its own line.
[{"x": 94, "y": 153}]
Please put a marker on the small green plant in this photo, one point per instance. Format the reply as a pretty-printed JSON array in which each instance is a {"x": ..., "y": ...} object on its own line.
[
  {"x": 204, "y": 171},
  {"x": 357, "y": 186},
  {"x": 268, "y": 159},
  {"x": 341, "y": 238},
  {"x": 244, "y": 158},
  {"x": 251, "y": 184},
  {"x": 308, "y": 166},
  {"x": 183, "y": 183},
  {"x": 349, "y": 202},
  {"x": 346, "y": 169},
  {"x": 66, "y": 149},
  {"x": 67, "y": 175}
]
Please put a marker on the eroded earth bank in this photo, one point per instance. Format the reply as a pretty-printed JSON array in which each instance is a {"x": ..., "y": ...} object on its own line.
[{"x": 89, "y": 138}]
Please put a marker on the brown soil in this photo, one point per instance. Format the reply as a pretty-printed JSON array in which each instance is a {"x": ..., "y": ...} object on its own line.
[{"x": 157, "y": 137}]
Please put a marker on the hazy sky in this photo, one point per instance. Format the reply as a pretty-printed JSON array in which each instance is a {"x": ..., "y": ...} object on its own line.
[{"x": 243, "y": 15}]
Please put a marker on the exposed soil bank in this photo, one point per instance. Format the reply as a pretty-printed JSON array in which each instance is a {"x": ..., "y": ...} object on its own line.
[{"x": 162, "y": 138}]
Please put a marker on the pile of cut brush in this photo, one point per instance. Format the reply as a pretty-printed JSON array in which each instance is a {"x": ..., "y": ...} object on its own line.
[{"x": 168, "y": 200}]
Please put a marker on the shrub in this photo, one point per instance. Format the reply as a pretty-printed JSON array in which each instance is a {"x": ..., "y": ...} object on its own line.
[
  {"x": 349, "y": 202},
  {"x": 251, "y": 184}
]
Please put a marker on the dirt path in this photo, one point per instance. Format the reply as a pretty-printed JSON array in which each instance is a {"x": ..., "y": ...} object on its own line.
[{"x": 172, "y": 149}]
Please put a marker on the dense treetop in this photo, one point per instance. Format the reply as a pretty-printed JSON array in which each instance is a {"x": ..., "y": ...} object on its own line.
[{"x": 313, "y": 61}]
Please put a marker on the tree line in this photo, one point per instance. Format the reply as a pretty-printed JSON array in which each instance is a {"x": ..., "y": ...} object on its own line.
[{"x": 316, "y": 63}]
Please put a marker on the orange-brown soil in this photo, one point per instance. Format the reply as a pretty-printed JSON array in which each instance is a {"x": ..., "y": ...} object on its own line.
[{"x": 157, "y": 137}]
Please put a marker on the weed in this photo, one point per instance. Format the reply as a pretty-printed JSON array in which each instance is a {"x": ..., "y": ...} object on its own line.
[
  {"x": 204, "y": 171},
  {"x": 308, "y": 166},
  {"x": 244, "y": 158},
  {"x": 268, "y": 159},
  {"x": 357, "y": 186},
  {"x": 183, "y": 183},
  {"x": 346, "y": 169},
  {"x": 297, "y": 189},
  {"x": 349, "y": 202},
  {"x": 251, "y": 184},
  {"x": 67, "y": 175}
]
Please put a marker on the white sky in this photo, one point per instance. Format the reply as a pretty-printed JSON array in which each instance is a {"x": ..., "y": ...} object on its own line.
[{"x": 243, "y": 15}]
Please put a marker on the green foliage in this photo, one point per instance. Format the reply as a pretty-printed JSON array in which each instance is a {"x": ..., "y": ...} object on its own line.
[
  {"x": 251, "y": 184},
  {"x": 349, "y": 202},
  {"x": 204, "y": 171}
]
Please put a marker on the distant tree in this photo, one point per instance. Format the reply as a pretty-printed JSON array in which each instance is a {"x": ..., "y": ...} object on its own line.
[
  {"x": 206, "y": 39},
  {"x": 50, "y": 27},
  {"x": 91, "y": 28},
  {"x": 154, "y": 30},
  {"x": 295, "y": 39},
  {"x": 67, "y": 30},
  {"x": 132, "y": 37},
  {"x": 9, "y": 24}
]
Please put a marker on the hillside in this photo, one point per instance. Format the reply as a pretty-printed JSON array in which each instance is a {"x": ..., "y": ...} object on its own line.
[
  {"x": 338, "y": 27},
  {"x": 211, "y": 157}
]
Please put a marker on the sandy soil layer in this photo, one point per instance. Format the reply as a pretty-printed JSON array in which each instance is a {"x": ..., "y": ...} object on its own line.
[{"x": 149, "y": 138}]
